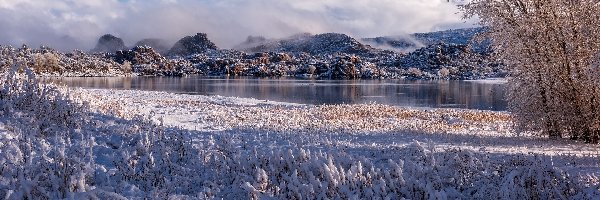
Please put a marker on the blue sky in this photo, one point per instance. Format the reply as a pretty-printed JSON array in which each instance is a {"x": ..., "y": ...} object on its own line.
[{"x": 67, "y": 24}]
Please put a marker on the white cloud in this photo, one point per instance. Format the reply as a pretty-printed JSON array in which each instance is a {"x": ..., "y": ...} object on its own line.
[{"x": 71, "y": 23}]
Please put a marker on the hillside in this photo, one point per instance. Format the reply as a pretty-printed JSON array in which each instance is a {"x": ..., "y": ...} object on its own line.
[
  {"x": 419, "y": 40},
  {"x": 320, "y": 44}
]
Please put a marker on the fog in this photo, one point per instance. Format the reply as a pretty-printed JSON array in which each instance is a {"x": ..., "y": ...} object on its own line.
[{"x": 69, "y": 24}]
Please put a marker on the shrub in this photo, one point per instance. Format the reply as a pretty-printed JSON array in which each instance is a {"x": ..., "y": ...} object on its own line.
[{"x": 552, "y": 48}]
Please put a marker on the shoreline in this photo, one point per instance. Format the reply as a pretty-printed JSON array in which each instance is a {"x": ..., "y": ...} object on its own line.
[
  {"x": 434, "y": 94},
  {"x": 449, "y": 127}
]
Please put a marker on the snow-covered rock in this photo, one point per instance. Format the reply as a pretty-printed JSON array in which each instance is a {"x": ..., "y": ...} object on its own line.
[
  {"x": 451, "y": 61},
  {"x": 325, "y": 56}
]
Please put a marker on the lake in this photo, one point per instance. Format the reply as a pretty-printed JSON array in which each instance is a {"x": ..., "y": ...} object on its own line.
[{"x": 484, "y": 95}]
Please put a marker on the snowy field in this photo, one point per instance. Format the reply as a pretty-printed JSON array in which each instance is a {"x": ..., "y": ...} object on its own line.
[
  {"x": 354, "y": 126},
  {"x": 112, "y": 144}
]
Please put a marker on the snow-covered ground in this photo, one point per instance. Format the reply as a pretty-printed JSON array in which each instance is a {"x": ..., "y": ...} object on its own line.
[
  {"x": 372, "y": 131},
  {"x": 137, "y": 144},
  {"x": 356, "y": 126}
]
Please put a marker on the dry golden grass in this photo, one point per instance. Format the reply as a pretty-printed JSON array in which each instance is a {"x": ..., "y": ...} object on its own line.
[{"x": 361, "y": 118}]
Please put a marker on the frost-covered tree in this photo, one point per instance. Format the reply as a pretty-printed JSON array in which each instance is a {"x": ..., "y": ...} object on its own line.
[{"x": 552, "y": 48}]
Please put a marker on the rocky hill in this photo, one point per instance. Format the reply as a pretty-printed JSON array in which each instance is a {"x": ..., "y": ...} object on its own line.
[
  {"x": 419, "y": 40},
  {"x": 324, "y": 56},
  {"x": 109, "y": 43},
  {"x": 320, "y": 44},
  {"x": 451, "y": 61},
  {"x": 190, "y": 45}
]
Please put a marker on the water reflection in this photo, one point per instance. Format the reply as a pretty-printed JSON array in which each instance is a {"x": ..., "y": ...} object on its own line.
[{"x": 452, "y": 94}]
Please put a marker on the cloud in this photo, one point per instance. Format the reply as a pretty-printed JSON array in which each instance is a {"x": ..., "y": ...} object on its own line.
[{"x": 67, "y": 24}]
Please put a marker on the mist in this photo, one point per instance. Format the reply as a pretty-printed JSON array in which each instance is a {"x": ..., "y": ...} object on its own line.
[{"x": 72, "y": 24}]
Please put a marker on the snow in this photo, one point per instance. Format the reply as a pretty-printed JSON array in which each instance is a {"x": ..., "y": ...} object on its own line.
[
  {"x": 490, "y": 81},
  {"x": 113, "y": 144},
  {"x": 326, "y": 56},
  {"x": 367, "y": 124}
]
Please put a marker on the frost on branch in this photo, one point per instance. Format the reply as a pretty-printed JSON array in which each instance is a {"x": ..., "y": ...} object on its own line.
[
  {"x": 44, "y": 153},
  {"x": 552, "y": 48}
]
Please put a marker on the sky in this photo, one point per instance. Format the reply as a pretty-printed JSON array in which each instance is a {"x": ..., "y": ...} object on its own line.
[{"x": 77, "y": 24}]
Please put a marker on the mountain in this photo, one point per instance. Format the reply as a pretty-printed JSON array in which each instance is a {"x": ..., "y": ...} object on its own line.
[
  {"x": 190, "y": 45},
  {"x": 109, "y": 44}
]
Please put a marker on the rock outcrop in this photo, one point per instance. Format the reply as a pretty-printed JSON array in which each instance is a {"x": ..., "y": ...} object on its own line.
[
  {"x": 321, "y": 44},
  {"x": 452, "y": 61},
  {"x": 139, "y": 55},
  {"x": 190, "y": 45},
  {"x": 109, "y": 44},
  {"x": 144, "y": 60},
  {"x": 324, "y": 56}
]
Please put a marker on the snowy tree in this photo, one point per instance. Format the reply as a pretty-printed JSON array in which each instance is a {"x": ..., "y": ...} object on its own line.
[{"x": 552, "y": 48}]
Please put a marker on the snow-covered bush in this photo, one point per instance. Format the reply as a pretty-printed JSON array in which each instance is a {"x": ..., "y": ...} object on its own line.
[
  {"x": 414, "y": 72},
  {"x": 24, "y": 96},
  {"x": 155, "y": 161},
  {"x": 420, "y": 173},
  {"x": 45, "y": 61},
  {"x": 52, "y": 147},
  {"x": 443, "y": 73},
  {"x": 44, "y": 153}
]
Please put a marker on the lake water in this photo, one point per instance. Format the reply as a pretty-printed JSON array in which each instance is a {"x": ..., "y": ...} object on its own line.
[{"x": 484, "y": 95}]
